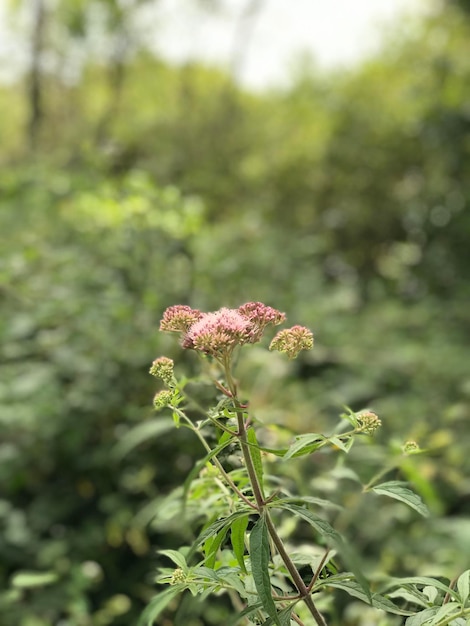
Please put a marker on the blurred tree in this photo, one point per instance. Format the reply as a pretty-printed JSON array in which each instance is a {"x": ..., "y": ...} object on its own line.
[
  {"x": 343, "y": 200},
  {"x": 35, "y": 79}
]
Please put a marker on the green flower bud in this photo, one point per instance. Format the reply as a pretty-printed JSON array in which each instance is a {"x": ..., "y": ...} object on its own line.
[
  {"x": 367, "y": 422},
  {"x": 163, "y": 368},
  {"x": 410, "y": 447},
  {"x": 292, "y": 340},
  {"x": 178, "y": 577},
  {"x": 162, "y": 399}
]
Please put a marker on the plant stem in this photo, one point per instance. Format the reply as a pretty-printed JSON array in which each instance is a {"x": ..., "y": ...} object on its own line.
[
  {"x": 293, "y": 571},
  {"x": 261, "y": 504},
  {"x": 318, "y": 570},
  {"x": 216, "y": 461}
]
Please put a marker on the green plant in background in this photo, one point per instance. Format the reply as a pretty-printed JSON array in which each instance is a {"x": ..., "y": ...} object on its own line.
[{"x": 240, "y": 509}]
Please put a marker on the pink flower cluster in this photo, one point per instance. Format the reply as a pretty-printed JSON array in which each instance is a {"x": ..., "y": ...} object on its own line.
[{"x": 219, "y": 332}]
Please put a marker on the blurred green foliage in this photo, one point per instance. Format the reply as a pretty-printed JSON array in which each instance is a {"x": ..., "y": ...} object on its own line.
[{"x": 343, "y": 200}]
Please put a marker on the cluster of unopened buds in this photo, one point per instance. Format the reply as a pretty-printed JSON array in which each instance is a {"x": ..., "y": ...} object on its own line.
[
  {"x": 178, "y": 577},
  {"x": 218, "y": 333},
  {"x": 163, "y": 368},
  {"x": 410, "y": 447},
  {"x": 367, "y": 422}
]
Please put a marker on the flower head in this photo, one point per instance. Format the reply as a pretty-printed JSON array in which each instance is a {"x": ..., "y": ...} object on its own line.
[
  {"x": 162, "y": 399},
  {"x": 292, "y": 340},
  {"x": 260, "y": 315},
  {"x": 411, "y": 447},
  {"x": 217, "y": 333},
  {"x": 178, "y": 577},
  {"x": 163, "y": 368},
  {"x": 367, "y": 422},
  {"x": 179, "y": 318}
]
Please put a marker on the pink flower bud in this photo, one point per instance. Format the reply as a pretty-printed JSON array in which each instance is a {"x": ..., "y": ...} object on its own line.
[
  {"x": 260, "y": 315},
  {"x": 179, "y": 318}
]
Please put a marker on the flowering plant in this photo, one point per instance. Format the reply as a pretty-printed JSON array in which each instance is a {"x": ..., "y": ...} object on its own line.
[{"x": 240, "y": 549}]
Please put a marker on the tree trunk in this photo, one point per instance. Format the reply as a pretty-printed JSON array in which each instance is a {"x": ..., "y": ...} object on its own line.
[{"x": 35, "y": 86}]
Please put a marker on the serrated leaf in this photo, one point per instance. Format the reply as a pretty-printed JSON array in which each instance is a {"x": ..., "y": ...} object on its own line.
[
  {"x": 141, "y": 433},
  {"x": 333, "y": 538},
  {"x": 425, "y": 581},
  {"x": 446, "y": 611},
  {"x": 422, "y": 617},
  {"x": 237, "y": 537},
  {"x": 255, "y": 455},
  {"x": 463, "y": 586},
  {"x": 354, "y": 589},
  {"x": 28, "y": 580},
  {"x": 311, "y": 500},
  {"x": 397, "y": 490},
  {"x": 260, "y": 556},
  {"x": 284, "y": 617},
  {"x": 249, "y": 610},
  {"x": 232, "y": 578},
  {"x": 158, "y": 604},
  {"x": 410, "y": 595},
  {"x": 305, "y": 444}
]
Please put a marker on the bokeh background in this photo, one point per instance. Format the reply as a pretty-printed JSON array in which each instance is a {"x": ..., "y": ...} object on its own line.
[{"x": 132, "y": 179}]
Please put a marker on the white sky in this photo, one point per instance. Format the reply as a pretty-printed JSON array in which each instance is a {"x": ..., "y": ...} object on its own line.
[{"x": 334, "y": 32}]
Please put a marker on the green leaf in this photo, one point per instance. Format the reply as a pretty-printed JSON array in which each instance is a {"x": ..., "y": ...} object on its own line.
[
  {"x": 176, "y": 557},
  {"x": 28, "y": 580},
  {"x": 255, "y": 455},
  {"x": 200, "y": 464},
  {"x": 326, "y": 504},
  {"x": 463, "y": 586},
  {"x": 333, "y": 538},
  {"x": 305, "y": 444},
  {"x": 397, "y": 490},
  {"x": 237, "y": 537},
  {"x": 158, "y": 604},
  {"x": 410, "y": 594},
  {"x": 176, "y": 415},
  {"x": 446, "y": 611},
  {"x": 345, "y": 446},
  {"x": 260, "y": 556},
  {"x": 225, "y": 436},
  {"x": 141, "y": 433},
  {"x": 422, "y": 617},
  {"x": 426, "y": 581},
  {"x": 350, "y": 416},
  {"x": 215, "y": 527},
  {"x": 276, "y": 451},
  {"x": 212, "y": 546},
  {"x": 231, "y": 576},
  {"x": 249, "y": 610},
  {"x": 354, "y": 589},
  {"x": 284, "y": 616}
]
